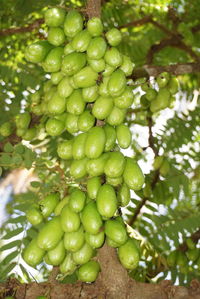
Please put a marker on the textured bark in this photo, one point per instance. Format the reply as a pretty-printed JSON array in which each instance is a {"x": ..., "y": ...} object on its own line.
[{"x": 93, "y": 8}]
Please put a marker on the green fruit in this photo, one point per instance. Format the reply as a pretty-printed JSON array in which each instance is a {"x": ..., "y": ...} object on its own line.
[
  {"x": 56, "y": 105},
  {"x": 78, "y": 148},
  {"x": 48, "y": 204},
  {"x": 108, "y": 71},
  {"x": 83, "y": 255},
  {"x": 161, "y": 101},
  {"x": 68, "y": 49},
  {"x": 78, "y": 168},
  {"x": 110, "y": 137},
  {"x": 97, "y": 48},
  {"x": 37, "y": 51},
  {"x": 81, "y": 41},
  {"x": 89, "y": 271},
  {"x": 64, "y": 88},
  {"x": 111, "y": 243},
  {"x": 86, "y": 121},
  {"x": 47, "y": 86},
  {"x": 163, "y": 79},
  {"x": 116, "y": 231},
  {"x": 95, "y": 241},
  {"x": 71, "y": 123},
  {"x": 129, "y": 255},
  {"x": 165, "y": 168},
  {"x": 50, "y": 234},
  {"x": 115, "y": 165},
  {"x": 73, "y": 63},
  {"x": 54, "y": 127},
  {"x": 23, "y": 120},
  {"x": 95, "y": 26},
  {"x": 106, "y": 201},
  {"x": 70, "y": 220},
  {"x": 114, "y": 37},
  {"x": 158, "y": 162},
  {"x": 103, "y": 87},
  {"x": 35, "y": 97},
  {"x": 64, "y": 149},
  {"x": 127, "y": 65},
  {"x": 57, "y": 254},
  {"x": 33, "y": 254},
  {"x": 173, "y": 85},
  {"x": 91, "y": 219},
  {"x": 93, "y": 185},
  {"x": 114, "y": 181},
  {"x": 75, "y": 104},
  {"x": 90, "y": 94},
  {"x": 182, "y": 260},
  {"x": 34, "y": 216},
  {"x": 117, "y": 83},
  {"x": 102, "y": 107},
  {"x": 53, "y": 60},
  {"x": 190, "y": 244},
  {"x": 133, "y": 175},
  {"x": 172, "y": 258},
  {"x": 95, "y": 167},
  {"x": 192, "y": 254},
  {"x": 125, "y": 100},
  {"x": 54, "y": 17},
  {"x": 77, "y": 201},
  {"x": 85, "y": 77},
  {"x": 49, "y": 94},
  {"x": 124, "y": 136},
  {"x": 68, "y": 266},
  {"x": 116, "y": 116},
  {"x": 6, "y": 129},
  {"x": 98, "y": 65},
  {"x": 124, "y": 195},
  {"x": 61, "y": 205},
  {"x": 56, "y": 36},
  {"x": 74, "y": 241},
  {"x": 30, "y": 134},
  {"x": 151, "y": 94},
  {"x": 95, "y": 142},
  {"x": 73, "y": 23},
  {"x": 113, "y": 57}
]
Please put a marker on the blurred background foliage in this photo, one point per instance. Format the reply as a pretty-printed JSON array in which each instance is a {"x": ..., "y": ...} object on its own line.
[{"x": 170, "y": 213}]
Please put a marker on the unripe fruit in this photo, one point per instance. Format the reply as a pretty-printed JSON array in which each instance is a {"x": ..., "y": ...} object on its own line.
[
  {"x": 93, "y": 185},
  {"x": 78, "y": 148},
  {"x": 86, "y": 121},
  {"x": 23, "y": 120},
  {"x": 6, "y": 129},
  {"x": 33, "y": 254},
  {"x": 102, "y": 107},
  {"x": 110, "y": 137},
  {"x": 57, "y": 254},
  {"x": 89, "y": 271},
  {"x": 98, "y": 65},
  {"x": 85, "y": 77},
  {"x": 113, "y": 57},
  {"x": 54, "y": 17},
  {"x": 163, "y": 79},
  {"x": 114, "y": 181},
  {"x": 61, "y": 205},
  {"x": 116, "y": 231},
  {"x": 34, "y": 216},
  {"x": 95, "y": 241},
  {"x": 56, "y": 105},
  {"x": 97, "y": 48},
  {"x": 37, "y": 51},
  {"x": 30, "y": 134},
  {"x": 75, "y": 104},
  {"x": 64, "y": 149},
  {"x": 190, "y": 244},
  {"x": 95, "y": 142},
  {"x": 71, "y": 123},
  {"x": 127, "y": 66},
  {"x": 48, "y": 204},
  {"x": 91, "y": 219},
  {"x": 95, "y": 167},
  {"x": 73, "y": 23},
  {"x": 116, "y": 116},
  {"x": 114, "y": 37},
  {"x": 151, "y": 94},
  {"x": 56, "y": 36},
  {"x": 54, "y": 127},
  {"x": 53, "y": 60},
  {"x": 68, "y": 49},
  {"x": 78, "y": 168},
  {"x": 81, "y": 41},
  {"x": 117, "y": 83},
  {"x": 129, "y": 255},
  {"x": 70, "y": 220},
  {"x": 73, "y": 63},
  {"x": 106, "y": 201},
  {"x": 108, "y": 71},
  {"x": 115, "y": 165},
  {"x": 77, "y": 201},
  {"x": 83, "y": 255},
  {"x": 90, "y": 94},
  {"x": 133, "y": 175},
  {"x": 173, "y": 85},
  {"x": 125, "y": 100},
  {"x": 123, "y": 136},
  {"x": 124, "y": 195},
  {"x": 74, "y": 241},
  {"x": 95, "y": 26},
  {"x": 68, "y": 266}
]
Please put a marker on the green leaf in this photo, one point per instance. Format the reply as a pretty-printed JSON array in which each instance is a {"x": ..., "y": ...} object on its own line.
[
  {"x": 13, "y": 233},
  {"x": 19, "y": 148},
  {"x": 17, "y": 159},
  {"x": 8, "y": 148},
  {"x": 29, "y": 158},
  {"x": 25, "y": 273},
  {"x": 10, "y": 257},
  {"x": 7, "y": 270},
  {"x": 10, "y": 245},
  {"x": 6, "y": 159},
  {"x": 19, "y": 219}
]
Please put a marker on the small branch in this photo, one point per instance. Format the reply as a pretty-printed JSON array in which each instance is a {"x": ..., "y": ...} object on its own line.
[
  {"x": 9, "y": 31},
  {"x": 151, "y": 139},
  {"x": 93, "y": 8},
  {"x": 137, "y": 23}
]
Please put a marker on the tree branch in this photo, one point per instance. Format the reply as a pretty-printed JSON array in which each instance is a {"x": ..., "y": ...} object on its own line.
[
  {"x": 36, "y": 24},
  {"x": 93, "y": 8}
]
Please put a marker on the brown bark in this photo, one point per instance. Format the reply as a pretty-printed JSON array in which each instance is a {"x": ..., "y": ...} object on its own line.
[{"x": 36, "y": 24}]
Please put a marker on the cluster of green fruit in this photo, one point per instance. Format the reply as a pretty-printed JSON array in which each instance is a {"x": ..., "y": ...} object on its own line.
[
  {"x": 88, "y": 83},
  {"x": 181, "y": 259},
  {"x": 161, "y": 164},
  {"x": 162, "y": 98}
]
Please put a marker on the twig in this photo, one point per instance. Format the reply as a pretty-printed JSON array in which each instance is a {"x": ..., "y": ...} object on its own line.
[
  {"x": 93, "y": 8},
  {"x": 151, "y": 139},
  {"x": 9, "y": 31}
]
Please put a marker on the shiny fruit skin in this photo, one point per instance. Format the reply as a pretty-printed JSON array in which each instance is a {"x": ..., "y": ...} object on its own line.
[
  {"x": 114, "y": 37},
  {"x": 95, "y": 241},
  {"x": 91, "y": 219},
  {"x": 54, "y": 127},
  {"x": 102, "y": 107},
  {"x": 64, "y": 149},
  {"x": 110, "y": 137},
  {"x": 6, "y": 129},
  {"x": 90, "y": 94},
  {"x": 114, "y": 181},
  {"x": 37, "y": 51},
  {"x": 93, "y": 185},
  {"x": 57, "y": 254},
  {"x": 113, "y": 57},
  {"x": 33, "y": 254},
  {"x": 115, "y": 164},
  {"x": 125, "y": 100},
  {"x": 81, "y": 41},
  {"x": 127, "y": 66},
  {"x": 95, "y": 142},
  {"x": 34, "y": 216},
  {"x": 86, "y": 121},
  {"x": 89, "y": 271},
  {"x": 73, "y": 63},
  {"x": 117, "y": 83},
  {"x": 70, "y": 220},
  {"x": 129, "y": 255},
  {"x": 48, "y": 204},
  {"x": 124, "y": 136},
  {"x": 64, "y": 88},
  {"x": 68, "y": 266},
  {"x": 86, "y": 77},
  {"x": 61, "y": 205},
  {"x": 75, "y": 104},
  {"x": 78, "y": 168},
  {"x": 98, "y": 65},
  {"x": 56, "y": 36},
  {"x": 95, "y": 26},
  {"x": 54, "y": 17},
  {"x": 106, "y": 201},
  {"x": 116, "y": 116},
  {"x": 77, "y": 201},
  {"x": 95, "y": 167},
  {"x": 71, "y": 123},
  {"x": 83, "y": 255},
  {"x": 50, "y": 234},
  {"x": 124, "y": 195},
  {"x": 73, "y": 23},
  {"x": 78, "y": 148},
  {"x": 97, "y": 48},
  {"x": 56, "y": 105},
  {"x": 133, "y": 175},
  {"x": 74, "y": 241},
  {"x": 53, "y": 60},
  {"x": 116, "y": 231}
]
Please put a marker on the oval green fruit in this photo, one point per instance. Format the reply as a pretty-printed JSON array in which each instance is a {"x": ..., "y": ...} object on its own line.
[
  {"x": 93, "y": 185},
  {"x": 89, "y": 271},
  {"x": 102, "y": 107},
  {"x": 95, "y": 142},
  {"x": 34, "y": 216},
  {"x": 78, "y": 148},
  {"x": 50, "y": 234},
  {"x": 90, "y": 94},
  {"x": 71, "y": 123},
  {"x": 73, "y": 63},
  {"x": 158, "y": 162},
  {"x": 127, "y": 66},
  {"x": 110, "y": 137},
  {"x": 68, "y": 49},
  {"x": 117, "y": 83},
  {"x": 81, "y": 41},
  {"x": 85, "y": 77},
  {"x": 161, "y": 101},
  {"x": 133, "y": 175},
  {"x": 23, "y": 120},
  {"x": 53, "y": 60},
  {"x": 124, "y": 195},
  {"x": 33, "y": 254},
  {"x": 115, "y": 231},
  {"x": 111, "y": 243},
  {"x": 95, "y": 167},
  {"x": 91, "y": 219},
  {"x": 75, "y": 104},
  {"x": 163, "y": 79},
  {"x": 64, "y": 149},
  {"x": 95, "y": 241},
  {"x": 116, "y": 116},
  {"x": 54, "y": 17},
  {"x": 56, "y": 36},
  {"x": 106, "y": 201},
  {"x": 129, "y": 255},
  {"x": 73, "y": 23},
  {"x": 114, "y": 37},
  {"x": 61, "y": 205},
  {"x": 95, "y": 26},
  {"x": 37, "y": 51},
  {"x": 115, "y": 165},
  {"x": 77, "y": 201},
  {"x": 56, "y": 77},
  {"x": 64, "y": 88},
  {"x": 57, "y": 254},
  {"x": 97, "y": 48},
  {"x": 190, "y": 243},
  {"x": 30, "y": 134},
  {"x": 6, "y": 129},
  {"x": 48, "y": 204},
  {"x": 54, "y": 127},
  {"x": 78, "y": 168},
  {"x": 98, "y": 65},
  {"x": 56, "y": 105},
  {"x": 113, "y": 57},
  {"x": 86, "y": 121},
  {"x": 173, "y": 85},
  {"x": 123, "y": 136},
  {"x": 172, "y": 258},
  {"x": 114, "y": 181},
  {"x": 74, "y": 241},
  {"x": 108, "y": 71},
  {"x": 83, "y": 255},
  {"x": 151, "y": 94},
  {"x": 125, "y": 100},
  {"x": 68, "y": 266},
  {"x": 70, "y": 220}
]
